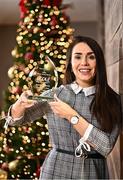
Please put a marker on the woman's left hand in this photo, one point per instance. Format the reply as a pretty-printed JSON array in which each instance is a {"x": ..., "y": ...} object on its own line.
[{"x": 61, "y": 108}]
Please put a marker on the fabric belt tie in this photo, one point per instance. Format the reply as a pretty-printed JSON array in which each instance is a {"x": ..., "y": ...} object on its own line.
[{"x": 89, "y": 155}]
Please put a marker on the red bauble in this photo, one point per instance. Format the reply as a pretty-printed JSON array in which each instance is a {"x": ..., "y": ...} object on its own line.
[
  {"x": 4, "y": 166},
  {"x": 53, "y": 21},
  {"x": 32, "y": 48},
  {"x": 16, "y": 90},
  {"x": 46, "y": 2},
  {"x": 28, "y": 56},
  {"x": 23, "y": 9},
  {"x": 57, "y": 3},
  {"x": 52, "y": 3},
  {"x": 26, "y": 129}
]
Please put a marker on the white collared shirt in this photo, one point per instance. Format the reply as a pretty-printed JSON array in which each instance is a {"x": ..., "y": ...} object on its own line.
[{"x": 87, "y": 91}]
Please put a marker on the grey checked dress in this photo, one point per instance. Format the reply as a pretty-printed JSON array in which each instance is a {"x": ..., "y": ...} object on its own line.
[{"x": 58, "y": 165}]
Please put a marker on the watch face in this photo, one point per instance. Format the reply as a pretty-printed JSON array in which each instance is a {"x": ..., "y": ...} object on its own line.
[{"x": 74, "y": 120}]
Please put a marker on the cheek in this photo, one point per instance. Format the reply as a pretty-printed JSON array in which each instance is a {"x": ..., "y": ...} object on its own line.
[
  {"x": 74, "y": 68},
  {"x": 94, "y": 66},
  {"x": 73, "y": 65},
  {"x": 94, "y": 71}
]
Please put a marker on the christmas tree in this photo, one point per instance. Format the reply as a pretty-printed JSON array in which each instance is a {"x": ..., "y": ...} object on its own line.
[{"x": 43, "y": 31}]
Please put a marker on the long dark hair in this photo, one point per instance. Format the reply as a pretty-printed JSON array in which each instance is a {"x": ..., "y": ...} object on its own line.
[{"x": 105, "y": 105}]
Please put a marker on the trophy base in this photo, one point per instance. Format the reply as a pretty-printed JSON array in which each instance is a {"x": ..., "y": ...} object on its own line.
[{"x": 40, "y": 98}]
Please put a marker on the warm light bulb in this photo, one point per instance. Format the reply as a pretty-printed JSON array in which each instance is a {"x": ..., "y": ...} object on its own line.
[
  {"x": 27, "y": 19},
  {"x": 41, "y": 34},
  {"x": 19, "y": 38},
  {"x": 62, "y": 76},
  {"x": 39, "y": 24},
  {"x": 48, "y": 29},
  {"x": 51, "y": 53}
]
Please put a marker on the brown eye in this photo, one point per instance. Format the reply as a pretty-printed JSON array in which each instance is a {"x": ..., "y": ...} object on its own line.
[
  {"x": 77, "y": 57},
  {"x": 91, "y": 57}
]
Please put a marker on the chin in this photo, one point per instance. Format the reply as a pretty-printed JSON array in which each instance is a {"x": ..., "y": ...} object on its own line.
[{"x": 89, "y": 82}]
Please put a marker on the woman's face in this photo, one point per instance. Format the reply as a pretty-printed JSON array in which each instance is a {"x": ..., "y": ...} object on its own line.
[{"x": 83, "y": 64}]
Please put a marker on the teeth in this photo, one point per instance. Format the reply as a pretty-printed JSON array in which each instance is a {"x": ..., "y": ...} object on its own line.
[{"x": 84, "y": 70}]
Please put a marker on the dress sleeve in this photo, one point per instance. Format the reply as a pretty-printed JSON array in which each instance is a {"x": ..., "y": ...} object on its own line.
[
  {"x": 9, "y": 119},
  {"x": 103, "y": 142},
  {"x": 31, "y": 114}
]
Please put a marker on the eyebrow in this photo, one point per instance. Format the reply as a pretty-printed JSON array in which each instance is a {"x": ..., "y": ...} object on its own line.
[{"x": 79, "y": 53}]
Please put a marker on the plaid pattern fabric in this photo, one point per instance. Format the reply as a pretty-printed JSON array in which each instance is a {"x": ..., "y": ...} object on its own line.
[{"x": 59, "y": 165}]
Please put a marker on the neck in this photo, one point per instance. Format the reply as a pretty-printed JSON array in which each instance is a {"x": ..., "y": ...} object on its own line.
[{"x": 85, "y": 85}]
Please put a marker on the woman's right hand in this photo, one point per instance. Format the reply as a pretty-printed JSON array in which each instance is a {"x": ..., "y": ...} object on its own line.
[{"x": 21, "y": 104}]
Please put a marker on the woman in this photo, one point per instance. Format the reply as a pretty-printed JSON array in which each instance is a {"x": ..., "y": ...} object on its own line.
[{"x": 84, "y": 119}]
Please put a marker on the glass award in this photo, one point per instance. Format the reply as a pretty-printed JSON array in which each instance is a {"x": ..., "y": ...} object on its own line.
[{"x": 42, "y": 78}]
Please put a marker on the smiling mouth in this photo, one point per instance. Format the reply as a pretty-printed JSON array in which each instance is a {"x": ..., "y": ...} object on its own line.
[{"x": 84, "y": 70}]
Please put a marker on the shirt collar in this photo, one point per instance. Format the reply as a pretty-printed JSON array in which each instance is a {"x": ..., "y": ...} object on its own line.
[{"x": 87, "y": 91}]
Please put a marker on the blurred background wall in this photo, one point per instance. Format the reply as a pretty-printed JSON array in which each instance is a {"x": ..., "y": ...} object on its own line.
[{"x": 113, "y": 22}]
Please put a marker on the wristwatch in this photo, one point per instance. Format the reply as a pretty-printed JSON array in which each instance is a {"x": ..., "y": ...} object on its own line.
[{"x": 75, "y": 119}]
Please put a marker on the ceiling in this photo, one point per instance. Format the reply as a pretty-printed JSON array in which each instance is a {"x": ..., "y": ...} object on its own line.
[{"x": 79, "y": 10}]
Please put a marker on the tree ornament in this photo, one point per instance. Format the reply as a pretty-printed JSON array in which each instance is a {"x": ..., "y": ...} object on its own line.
[
  {"x": 28, "y": 56},
  {"x": 14, "y": 52},
  {"x": 52, "y": 3},
  {"x": 32, "y": 48},
  {"x": 53, "y": 21},
  {"x": 23, "y": 9},
  {"x": 26, "y": 129},
  {"x": 11, "y": 72},
  {"x": 16, "y": 90},
  {"x": 4, "y": 166},
  {"x": 3, "y": 174},
  {"x": 13, "y": 165}
]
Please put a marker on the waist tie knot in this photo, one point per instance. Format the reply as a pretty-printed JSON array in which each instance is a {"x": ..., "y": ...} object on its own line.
[{"x": 82, "y": 148}]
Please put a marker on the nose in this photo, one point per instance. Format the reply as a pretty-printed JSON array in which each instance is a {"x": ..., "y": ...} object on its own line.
[{"x": 84, "y": 61}]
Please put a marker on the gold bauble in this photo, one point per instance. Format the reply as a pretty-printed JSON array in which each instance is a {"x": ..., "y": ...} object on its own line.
[
  {"x": 13, "y": 165},
  {"x": 10, "y": 72},
  {"x": 14, "y": 52},
  {"x": 3, "y": 174}
]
